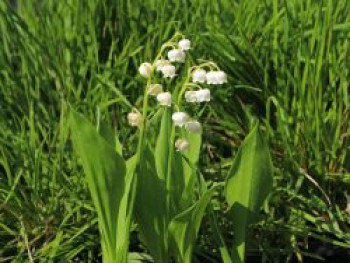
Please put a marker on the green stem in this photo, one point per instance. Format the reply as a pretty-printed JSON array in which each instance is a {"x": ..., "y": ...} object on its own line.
[
  {"x": 182, "y": 90},
  {"x": 144, "y": 122}
]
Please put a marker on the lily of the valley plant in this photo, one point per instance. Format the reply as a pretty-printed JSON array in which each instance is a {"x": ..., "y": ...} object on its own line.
[
  {"x": 167, "y": 178},
  {"x": 161, "y": 186}
]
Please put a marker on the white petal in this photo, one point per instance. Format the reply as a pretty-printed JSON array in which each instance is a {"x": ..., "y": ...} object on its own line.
[
  {"x": 168, "y": 71},
  {"x": 185, "y": 44},
  {"x": 193, "y": 126},
  {"x": 203, "y": 95},
  {"x": 211, "y": 77},
  {"x": 176, "y": 55},
  {"x": 134, "y": 118},
  {"x": 179, "y": 118},
  {"x": 160, "y": 63},
  {"x": 155, "y": 89},
  {"x": 190, "y": 96},
  {"x": 181, "y": 145},
  {"x": 145, "y": 69},
  {"x": 199, "y": 75},
  {"x": 221, "y": 77},
  {"x": 164, "y": 99}
]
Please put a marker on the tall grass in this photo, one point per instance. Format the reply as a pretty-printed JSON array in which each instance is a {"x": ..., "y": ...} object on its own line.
[{"x": 288, "y": 64}]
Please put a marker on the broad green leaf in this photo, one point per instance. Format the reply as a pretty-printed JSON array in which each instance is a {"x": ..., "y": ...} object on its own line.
[
  {"x": 106, "y": 177},
  {"x": 162, "y": 147},
  {"x": 189, "y": 164},
  {"x": 184, "y": 178},
  {"x": 177, "y": 184},
  {"x": 126, "y": 206},
  {"x": 248, "y": 183},
  {"x": 184, "y": 228},
  {"x": 107, "y": 133},
  {"x": 167, "y": 158},
  {"x": 193, "y": 151},
  {"x": 151, "y": 208}
]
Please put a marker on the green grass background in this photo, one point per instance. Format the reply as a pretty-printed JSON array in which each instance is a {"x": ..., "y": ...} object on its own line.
[{"x": 287, "y": 62}]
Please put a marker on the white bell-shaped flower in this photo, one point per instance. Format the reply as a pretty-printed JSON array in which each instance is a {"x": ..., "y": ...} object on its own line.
[
  {"x": 176, "y": 55},
  {"x": 160, "y": 63},
  {"x": 211, "y": 77},
  {"x": 185, "y": 44},
  {"x": 193, "y": 126},
  {"x": 145, "y": 69},
  {"x": 203, "y": 95},
  {"x": 221, "y": 77},
  {"x": 199, "y": 75},
  {"x": 168, "y": 71},
  {"x": 179, "y": 118},
  {"x": 181, "y": 145},
  {"x": 197, "y": 96},
  {"x": 190, "y": 96},
  {"x": 164, "y": 99},
  {"x": 134, "y": 118},
  {"x": 216, "y": 77},
  {"x": 155, "y": 89}
]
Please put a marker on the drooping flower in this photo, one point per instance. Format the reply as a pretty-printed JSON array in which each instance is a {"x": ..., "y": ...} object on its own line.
[
  {"x": 216, "y": 77},
  {"x": 134, "y": 118},
  {"x": 181, "y": 145},
  {"x": 155, "y": 89},
  {"x": 203, "y": 95},
  {"x": 164, "y": 99},
  {"x": 179, "y": 118},
  {"x": 185, "y": 44},
  {"x": 168, "y": 71},
  {"x": 193, "y": 126},
  {"x": 199, "y": 75},
  {"x": 197, "y": 96},
  {"x": 145, "y": 69},
  {"x": 160, "y": 63},
  {"x": 221, "y": 77},
  {"x": 190, "y": 96},
  {"x": 176, "y": 55},
  {"x": 211, "y": 77}
]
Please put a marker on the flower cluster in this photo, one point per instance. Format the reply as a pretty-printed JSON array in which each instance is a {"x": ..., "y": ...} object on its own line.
[{"x": 206, "y": 73}]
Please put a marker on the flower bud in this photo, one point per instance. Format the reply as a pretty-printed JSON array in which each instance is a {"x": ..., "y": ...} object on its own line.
[
  {"x": 199, "y": 75},
  {"x": 164, "y": 99},
  {"x": 168, "y": 71},
  {"x": 145, "y": 69},
  {"x": 155, "y": 89},
  {"x": 185, "y": 44},
  {"x": 181, "y": 145},
  {"x": 134, "y": 118},
  {"x": 176, "y": 55},
  {"x": 179, "y": 118},
  {"x": 193, "y": 126}
]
